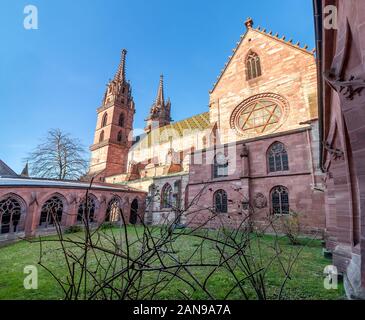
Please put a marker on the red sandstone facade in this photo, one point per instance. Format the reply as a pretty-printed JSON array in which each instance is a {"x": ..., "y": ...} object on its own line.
[
  {"x": 286, "y": 79},
  {"x": 341, "y": 60},
  {"x": 250, "y": 181},
  {"x": 262, "y": 120}
]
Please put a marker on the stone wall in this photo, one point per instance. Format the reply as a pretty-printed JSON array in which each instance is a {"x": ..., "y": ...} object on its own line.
[{"x": 251, "y": 177}]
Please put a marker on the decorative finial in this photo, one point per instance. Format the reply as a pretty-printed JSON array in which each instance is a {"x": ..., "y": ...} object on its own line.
[{"x": 249, "y": 23}]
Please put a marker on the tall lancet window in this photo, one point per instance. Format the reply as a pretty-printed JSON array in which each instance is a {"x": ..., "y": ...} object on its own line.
[
  {"x": 280, "y": 200},
  {"x": 253, "y": 66},
  {"x": 105, "y": 120},
  {"x": 121, "y": 120},
  {"x": 220, "y": 201},
  {"x": 101, "y": 137},
  {"x": 166, "y": 196}
]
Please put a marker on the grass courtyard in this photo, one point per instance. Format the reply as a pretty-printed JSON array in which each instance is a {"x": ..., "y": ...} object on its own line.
[{"x": 306, "y": 281}]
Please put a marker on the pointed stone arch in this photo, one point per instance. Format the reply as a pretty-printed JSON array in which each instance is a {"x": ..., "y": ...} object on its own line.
[
  {"x": 133, "y": 217},
  {"x": 114, "y": 210},
  {"x": 53, "y": 210},
  {"x": 13, "y": 209}
]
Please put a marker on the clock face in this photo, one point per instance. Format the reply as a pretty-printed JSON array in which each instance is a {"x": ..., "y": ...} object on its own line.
[{"x": 258, "y": 116}]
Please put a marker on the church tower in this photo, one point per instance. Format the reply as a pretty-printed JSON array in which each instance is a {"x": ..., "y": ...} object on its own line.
[
  {"x": 113, "y": 133},
  {"x": 160, "y": 111}
]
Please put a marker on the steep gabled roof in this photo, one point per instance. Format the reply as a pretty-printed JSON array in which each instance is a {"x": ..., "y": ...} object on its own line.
[
  {"x": 249, "y": 26},
  {"x": 6, "y": 171}
]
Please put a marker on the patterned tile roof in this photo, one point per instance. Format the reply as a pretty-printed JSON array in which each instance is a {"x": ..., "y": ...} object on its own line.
[{"x": 198, "y": 122}]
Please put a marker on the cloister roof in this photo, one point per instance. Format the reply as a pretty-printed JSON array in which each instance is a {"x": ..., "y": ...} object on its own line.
[{"x": 35, "y": 182}]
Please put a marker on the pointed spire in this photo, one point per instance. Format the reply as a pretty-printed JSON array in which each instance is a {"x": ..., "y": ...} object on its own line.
[
  {"x": 160, "y": 100},
  {"x": 25, "y": 172},
  {"x": 120, "y": 75}
]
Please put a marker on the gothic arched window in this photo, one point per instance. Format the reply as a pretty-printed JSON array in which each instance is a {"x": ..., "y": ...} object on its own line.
[
  {"x": 10, "y": 211},
  {"x": 51, "y": 212},
  {"x": 133, "y": 217},
  {"x": 220, "y": 202},
  {"x": 220, "y": 166},
  {"x": 253, "y": 66},
  {"x": 113, "y": 211},
  {"x": 88, "y": 210},
  {"x": 277, "y": 158},
  {"x": 120, "y": 136},
  {"x": 204, "y": 142},
  {"x": 121, "y": 120},
  {"x": 105, "y": 120},
  {"x": 101, "y": 138},
  {"x": 166, "y": 196},
  {"x": 280, "y": 200}
]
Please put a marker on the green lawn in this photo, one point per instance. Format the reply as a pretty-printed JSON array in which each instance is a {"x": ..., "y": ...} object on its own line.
[{"x": 306, "y": 281}]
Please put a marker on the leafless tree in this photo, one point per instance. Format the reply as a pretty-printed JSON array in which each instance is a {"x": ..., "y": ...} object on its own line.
[
  {"x": 122, "y": 263},
  {"x": 59, "y": 157}
]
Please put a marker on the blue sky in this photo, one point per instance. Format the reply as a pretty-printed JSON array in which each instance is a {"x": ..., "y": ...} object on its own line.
[{"x": 55, "y": 77}]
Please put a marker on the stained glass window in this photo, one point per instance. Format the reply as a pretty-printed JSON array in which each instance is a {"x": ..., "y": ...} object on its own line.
[
  {"x": 278, "y": 158},
  {"x": 253, "y": 66},
  {"x": 280, "y": 200},
  {"x": 220, "y": 201}
]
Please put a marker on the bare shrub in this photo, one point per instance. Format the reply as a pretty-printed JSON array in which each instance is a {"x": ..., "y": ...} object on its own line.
[
  {"x": 291, "y": 227},
  {"x": 141, "y": 262}
]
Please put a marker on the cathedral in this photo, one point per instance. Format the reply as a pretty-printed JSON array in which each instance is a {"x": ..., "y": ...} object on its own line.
[{"x": 256, "y": 147}]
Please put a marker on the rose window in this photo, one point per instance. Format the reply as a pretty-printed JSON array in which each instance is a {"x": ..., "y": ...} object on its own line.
[{"x": 259, "y": 115}]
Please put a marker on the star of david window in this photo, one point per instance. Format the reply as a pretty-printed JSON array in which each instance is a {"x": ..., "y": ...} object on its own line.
[{"x": 259, "y": 115}]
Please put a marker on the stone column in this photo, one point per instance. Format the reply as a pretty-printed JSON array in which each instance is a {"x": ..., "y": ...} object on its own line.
[
  {"x": 101, "y": 212},
  {"x": 32, "y": 218}
]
